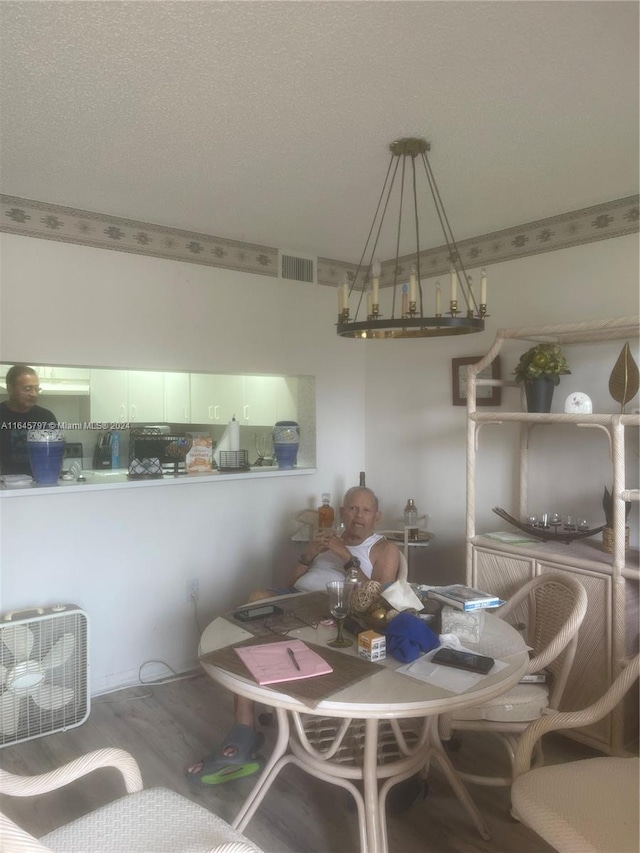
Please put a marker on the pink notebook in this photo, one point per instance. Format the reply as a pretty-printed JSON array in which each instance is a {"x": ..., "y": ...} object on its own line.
[{"x": 274, "y": 662}]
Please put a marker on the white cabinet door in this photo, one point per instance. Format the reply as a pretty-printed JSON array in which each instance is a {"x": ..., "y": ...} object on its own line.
[
  {"x": 177, "y": 400},
  {"x": 146, "y": 396},
  {"x": 260, "y": 405},
  {"x": 215, "y": 398},
  {"x": 109, "y": 396},
  {"x": 288, "y": 399},
  {"x": 69, "y": 373}
]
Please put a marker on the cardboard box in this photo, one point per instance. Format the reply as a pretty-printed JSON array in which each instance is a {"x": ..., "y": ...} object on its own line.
[
  {"x": 372, "y": 646},
  {"x": 199, "y": 459}
]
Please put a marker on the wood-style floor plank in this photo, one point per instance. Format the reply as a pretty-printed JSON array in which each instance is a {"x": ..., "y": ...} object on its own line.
[{"x": 167, "y": 727}]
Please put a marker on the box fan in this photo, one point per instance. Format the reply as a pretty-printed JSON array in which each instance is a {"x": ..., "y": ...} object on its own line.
[{"x": 43, "y": 671}]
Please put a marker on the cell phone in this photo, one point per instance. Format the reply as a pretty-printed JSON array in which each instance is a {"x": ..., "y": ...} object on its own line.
[
  {"x": 463, "y": 660},
  {"x": 260, "y": 612}
]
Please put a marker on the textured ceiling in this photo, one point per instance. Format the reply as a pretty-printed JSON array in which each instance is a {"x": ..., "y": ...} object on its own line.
[{"x": 269, "y": 122}]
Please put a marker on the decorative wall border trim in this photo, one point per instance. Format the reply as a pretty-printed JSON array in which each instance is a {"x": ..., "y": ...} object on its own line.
[
  {"x": 611, "y": 219},
  {"x": 67, "y": 225}
]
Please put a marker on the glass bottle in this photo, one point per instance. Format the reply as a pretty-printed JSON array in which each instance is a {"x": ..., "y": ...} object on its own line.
[
  {"x": 325, "y": 512},
  {"x": 352, "y": 578},
  {"x": 411, "y": 519}
]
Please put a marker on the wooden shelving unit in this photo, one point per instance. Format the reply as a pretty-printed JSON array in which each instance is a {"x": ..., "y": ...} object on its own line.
[{"x": 610, "y": 631}]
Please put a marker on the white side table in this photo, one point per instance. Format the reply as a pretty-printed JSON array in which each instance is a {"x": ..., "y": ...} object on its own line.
[{"x": 401, "y": 536}]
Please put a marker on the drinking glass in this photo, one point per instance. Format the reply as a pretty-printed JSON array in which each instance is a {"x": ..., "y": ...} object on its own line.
[{"x": 340, "y": 594}]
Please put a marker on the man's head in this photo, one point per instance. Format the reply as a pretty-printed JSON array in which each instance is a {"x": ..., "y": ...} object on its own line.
[
  {"x": 359, "y": 513},
  {"x": 22, "y": 387}
]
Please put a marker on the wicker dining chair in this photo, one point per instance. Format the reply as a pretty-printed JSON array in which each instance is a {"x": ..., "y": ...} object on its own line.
[
  {"x": 549, "y": 609},
  {"x": 152, "y": 820},
  {"x": 586, "y": 806}
]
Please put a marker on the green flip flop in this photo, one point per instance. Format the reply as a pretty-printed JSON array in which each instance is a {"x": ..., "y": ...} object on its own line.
[{"x": 235, "y": 758}]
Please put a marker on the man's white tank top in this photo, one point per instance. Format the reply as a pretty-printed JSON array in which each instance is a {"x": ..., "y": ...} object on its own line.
[{"x": 328, "y": 567}]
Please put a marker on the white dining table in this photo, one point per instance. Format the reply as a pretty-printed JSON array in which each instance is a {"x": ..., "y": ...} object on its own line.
[{"x": 386, "y": 703}]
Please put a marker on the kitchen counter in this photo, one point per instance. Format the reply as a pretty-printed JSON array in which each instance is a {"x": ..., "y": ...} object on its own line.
[{"x": 100, "y": 480}]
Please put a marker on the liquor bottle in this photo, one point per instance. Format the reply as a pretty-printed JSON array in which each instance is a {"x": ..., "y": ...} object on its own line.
[
  {"x": 325, "y": 512},
  {"x": 411, "y": 519},
  {"x": 363, "y": 484}
]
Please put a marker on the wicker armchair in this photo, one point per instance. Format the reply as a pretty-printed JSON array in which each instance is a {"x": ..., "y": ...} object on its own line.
[
  {"x": 550, "y": 608},
  {"x": 587, "y": 806},
  {"x": 144, "y": 821}
]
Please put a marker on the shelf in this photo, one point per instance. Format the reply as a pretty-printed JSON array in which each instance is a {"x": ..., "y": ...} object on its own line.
[
  {"x": 590, "y": 331},
  {"x": 555, "y": 418}
]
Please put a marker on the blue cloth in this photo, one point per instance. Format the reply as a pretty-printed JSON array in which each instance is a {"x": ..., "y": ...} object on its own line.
[{"x": 408, "y": 637}]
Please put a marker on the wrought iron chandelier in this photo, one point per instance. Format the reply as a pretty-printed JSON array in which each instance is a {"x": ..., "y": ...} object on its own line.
[{"x": 407, "y": 318}]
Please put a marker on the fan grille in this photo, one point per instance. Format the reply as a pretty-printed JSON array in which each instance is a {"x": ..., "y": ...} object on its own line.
[{"x": 44, "y": 673}]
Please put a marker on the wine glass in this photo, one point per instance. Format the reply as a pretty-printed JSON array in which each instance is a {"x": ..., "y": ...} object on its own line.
[{"x": 340, "y": 593}]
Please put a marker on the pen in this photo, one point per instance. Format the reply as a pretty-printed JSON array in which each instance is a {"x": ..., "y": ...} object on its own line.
[{"x": 291, "y": 654}]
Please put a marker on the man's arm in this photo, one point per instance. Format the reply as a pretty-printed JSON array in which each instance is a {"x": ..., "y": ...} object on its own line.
[
  {"x": 386, "y": 562},
  {"x": 315, "y": 547}
]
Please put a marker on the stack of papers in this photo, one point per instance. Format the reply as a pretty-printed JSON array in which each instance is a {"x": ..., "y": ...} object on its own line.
[{"x": 271, "y": 663}]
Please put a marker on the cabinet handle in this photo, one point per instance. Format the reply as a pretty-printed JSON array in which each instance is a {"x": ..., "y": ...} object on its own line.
[
  {"x": 122, "y": 412},
  {"x": 211, "y": 411},
  {"x": 246, "y": 413},
  {"x": 133, "y": 412},
  {"x": 216, "y": 413},
  {"x": 186, "y": 414}
]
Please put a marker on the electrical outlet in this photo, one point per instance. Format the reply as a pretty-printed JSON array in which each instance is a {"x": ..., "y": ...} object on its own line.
[{"x": 193, "y": 589}]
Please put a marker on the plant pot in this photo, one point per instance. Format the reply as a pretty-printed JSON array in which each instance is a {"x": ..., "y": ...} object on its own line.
[
  {"x": 607, "y": 540},
  {"x": 539, "y": 394}
]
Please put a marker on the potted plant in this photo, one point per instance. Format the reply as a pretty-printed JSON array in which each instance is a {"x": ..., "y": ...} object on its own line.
[
  {"x": 540, "y": 369},
  {"x": 607, "y": 533}
]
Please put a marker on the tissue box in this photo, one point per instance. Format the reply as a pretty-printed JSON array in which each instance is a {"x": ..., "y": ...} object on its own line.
[
  {"x": 372, "y": 646},
  {"x": 467, "y": 626}
]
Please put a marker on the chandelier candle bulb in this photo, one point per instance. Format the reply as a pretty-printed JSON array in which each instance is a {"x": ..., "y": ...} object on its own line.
[
  {"x": 412, "y": 285},
  {"x": 369, "y": 302},
  {"x": 483, "y": 287},
  {"x": 340, "y": 300},
  {"x": 345, "y": 293},
  {"x": 438, "y": 301},
  {"x": 454, "y": 286},
  {"x": 377, "y": 269},
  {"x": 405, "y": 301}
]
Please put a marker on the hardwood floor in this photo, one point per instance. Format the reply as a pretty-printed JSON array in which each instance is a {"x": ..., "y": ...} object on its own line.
[{"x": 168, "y": 727}]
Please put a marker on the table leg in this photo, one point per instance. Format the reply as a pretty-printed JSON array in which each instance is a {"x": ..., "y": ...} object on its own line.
[
  {"x": 459, "y": 789},
  {"x": 373, "y": 817},
  {"x": 271, "y": 770}
]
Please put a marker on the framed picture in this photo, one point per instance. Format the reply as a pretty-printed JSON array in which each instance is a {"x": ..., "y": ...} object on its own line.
[{"x": 485, "y": 395}]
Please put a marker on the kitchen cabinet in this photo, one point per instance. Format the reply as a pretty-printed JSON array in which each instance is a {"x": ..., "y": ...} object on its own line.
[
  {"x": 133, "y": 396},
  {"x": 260, "y": 400},
  {"x": 177, "y": 398},
  {"x": 216, "y": 398},
  {"x": 287, "y": 399},
  {"x": 609, "y": 632}
]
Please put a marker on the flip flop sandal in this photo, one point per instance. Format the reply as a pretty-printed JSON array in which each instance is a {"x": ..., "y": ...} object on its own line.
[{"x": 235, "y": 758}]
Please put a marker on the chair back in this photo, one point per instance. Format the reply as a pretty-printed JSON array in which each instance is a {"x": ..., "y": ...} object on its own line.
[{"x": 552, "y": 607}]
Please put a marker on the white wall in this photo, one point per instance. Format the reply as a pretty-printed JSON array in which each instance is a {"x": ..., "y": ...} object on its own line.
[
  {"x": 415, "y": 439},
  {"x": 125, "y": 555}
]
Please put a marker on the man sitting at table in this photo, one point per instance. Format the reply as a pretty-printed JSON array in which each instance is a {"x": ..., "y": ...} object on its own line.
[{"x": 327, "y": 557}]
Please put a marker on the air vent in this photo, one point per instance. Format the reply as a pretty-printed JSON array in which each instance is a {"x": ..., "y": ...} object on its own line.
[{"x": 297, "y": 268}]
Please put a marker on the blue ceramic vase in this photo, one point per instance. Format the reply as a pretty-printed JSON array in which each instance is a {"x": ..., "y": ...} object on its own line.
[
  {"x": 286, "y": 440},
  {"x": 46, "y": 452}
]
